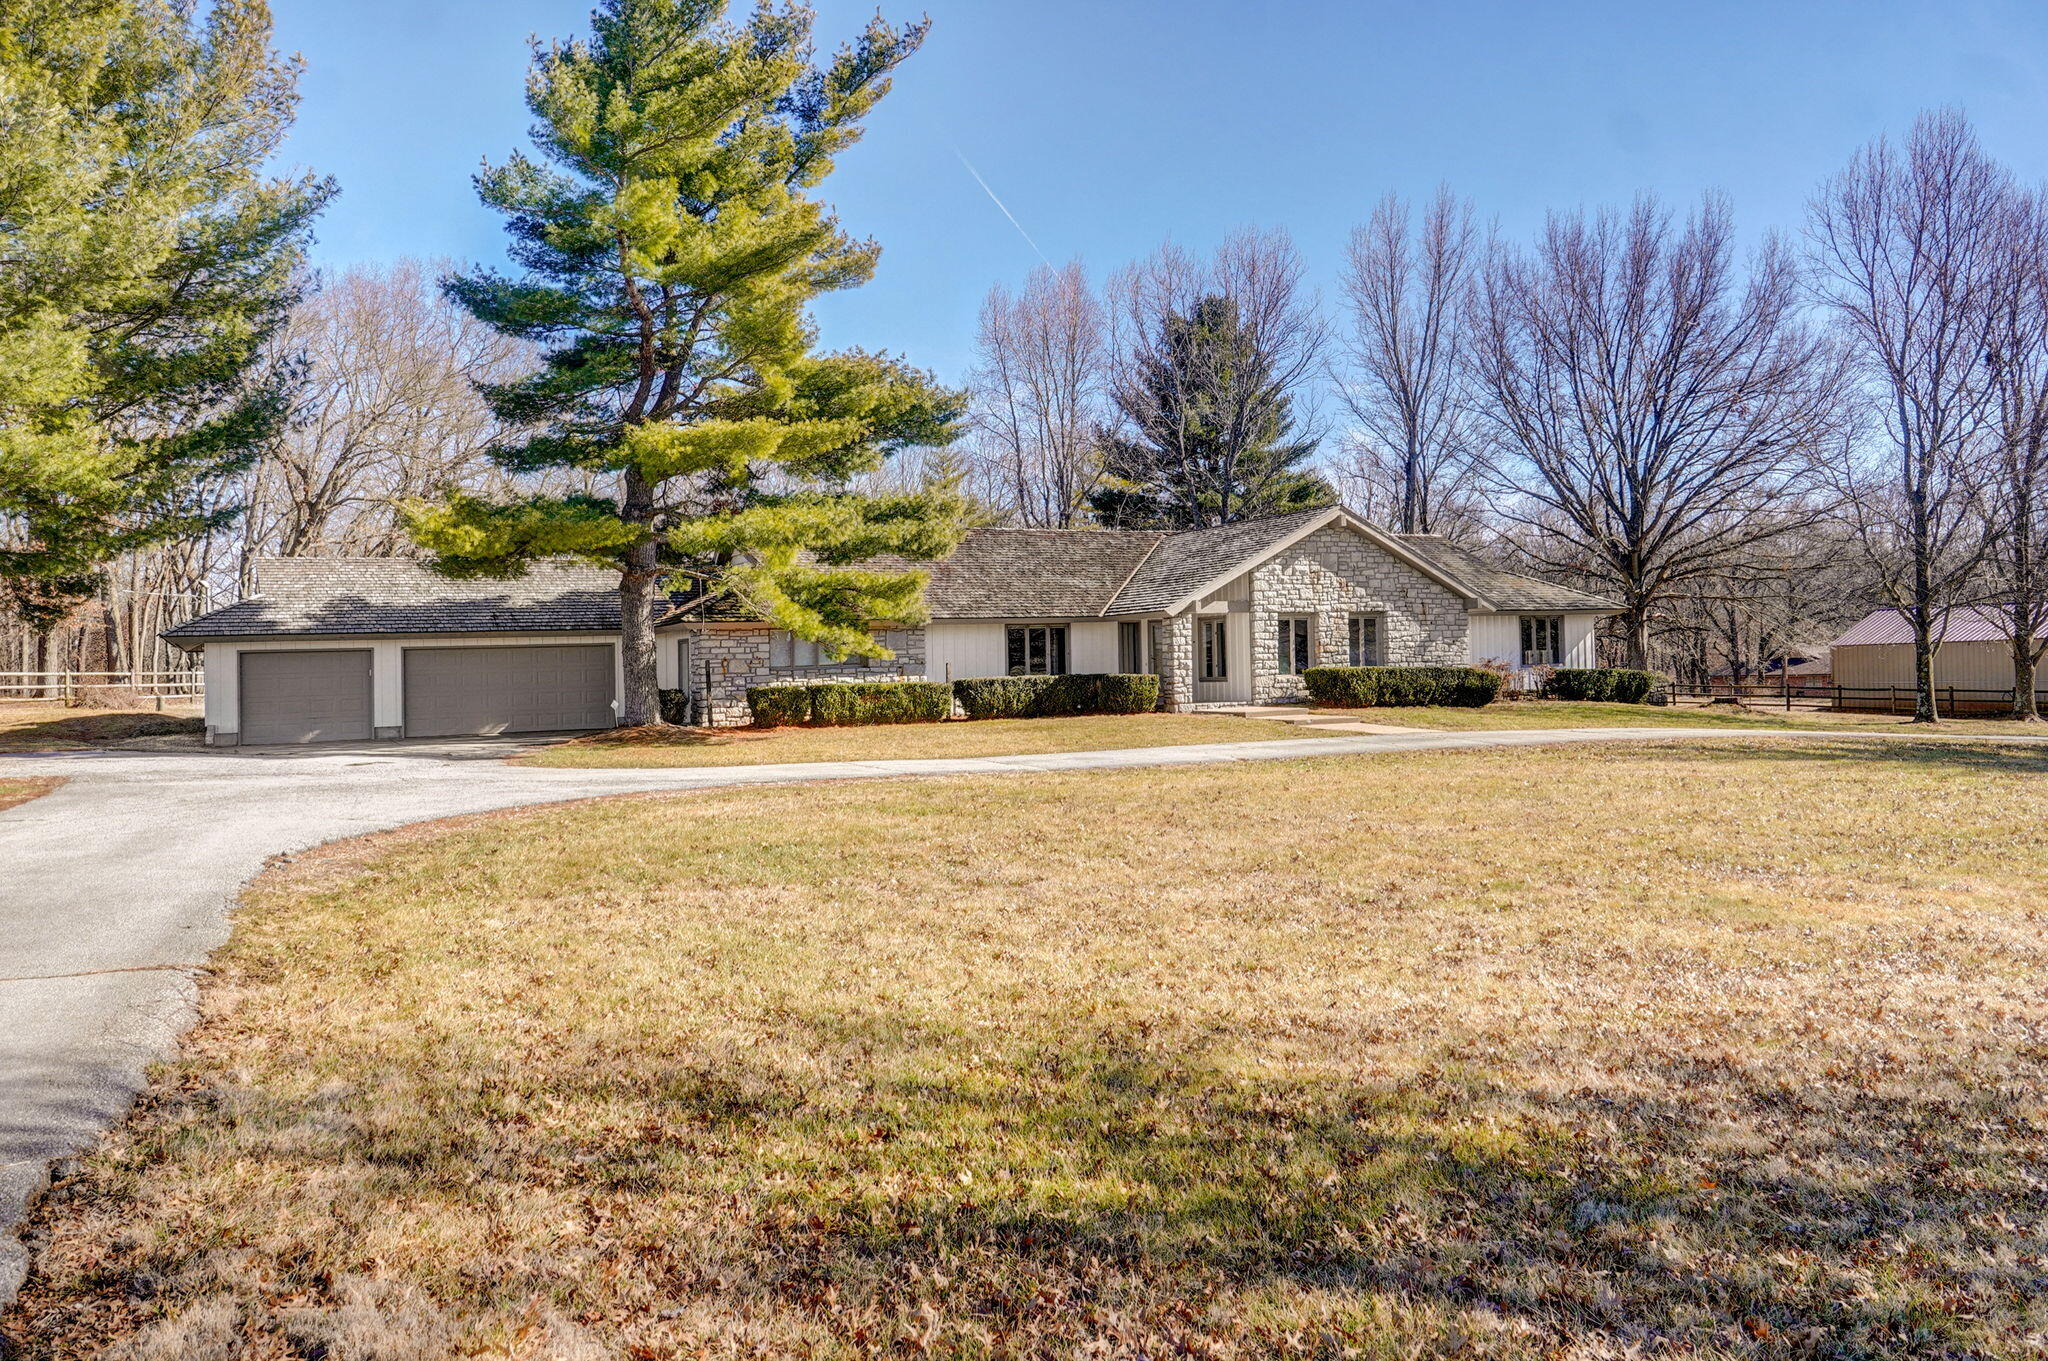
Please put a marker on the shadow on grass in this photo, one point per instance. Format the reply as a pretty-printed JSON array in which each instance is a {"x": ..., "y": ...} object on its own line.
[
  {"x": 88, "y": 727},
  {"x": 1127, "y": 1191},
  {"x": 1960, "y": 754}
]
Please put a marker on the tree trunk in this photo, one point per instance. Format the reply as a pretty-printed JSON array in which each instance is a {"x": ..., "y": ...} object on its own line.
[
  {"x": 640, "y": 702},
  {"x": 39, "y": 662},
  {"x": 1636, "y": 625},
  {"x": 1411, "y": 494},
  {"x": 2025, "y": 707},
  {"x": 1924, "y": 710}
]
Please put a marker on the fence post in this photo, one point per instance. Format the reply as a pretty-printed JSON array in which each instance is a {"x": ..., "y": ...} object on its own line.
[{"x": 1951, "y": 701}]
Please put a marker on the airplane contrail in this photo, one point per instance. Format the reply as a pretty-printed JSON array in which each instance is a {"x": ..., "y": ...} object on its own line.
[{"x": 1000, "y": 204}]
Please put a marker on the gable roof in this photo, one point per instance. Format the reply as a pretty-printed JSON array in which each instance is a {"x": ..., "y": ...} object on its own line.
[
  {"x": 398, "y": 595},
  {"x": 1964, "y": 624},
  {"x": 1194, "y": 561},
  {"x": 1503, "y": 590}
]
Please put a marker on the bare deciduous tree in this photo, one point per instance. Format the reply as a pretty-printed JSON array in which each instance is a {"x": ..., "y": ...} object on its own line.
[
  {"x": 1404, "y": 291},
  {"x": 386, "y": 408},
  {"x": 1039, "y": 395},
  {"x": 1646, "y": 401},
  {"x": 1907, "y": 249},
  {"x": 2017, "y": 364}
]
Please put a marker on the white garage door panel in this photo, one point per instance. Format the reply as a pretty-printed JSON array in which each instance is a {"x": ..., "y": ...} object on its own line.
[
  {"x": 309, "y": 695},
  {"x": 478, "y": 691}
]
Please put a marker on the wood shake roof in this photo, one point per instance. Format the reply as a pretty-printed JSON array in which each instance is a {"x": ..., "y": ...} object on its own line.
[{"x": 995, "y": 573}]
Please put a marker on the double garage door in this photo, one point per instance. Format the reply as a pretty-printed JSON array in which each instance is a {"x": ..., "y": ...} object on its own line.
[{"x": 322, "y": 695}]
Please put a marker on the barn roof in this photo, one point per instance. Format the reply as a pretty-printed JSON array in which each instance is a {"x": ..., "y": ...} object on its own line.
[{"x": 1964, "y": 624}]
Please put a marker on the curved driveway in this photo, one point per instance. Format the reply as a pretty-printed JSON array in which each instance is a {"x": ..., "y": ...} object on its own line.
[{"x": 116, "y": 887}]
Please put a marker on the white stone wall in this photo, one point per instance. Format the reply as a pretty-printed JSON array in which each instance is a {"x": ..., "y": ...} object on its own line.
[
  {"x": 1332, "y": 575},
  {"x": 739, "y": 658},
  {"x": 1175, "y": 661}
]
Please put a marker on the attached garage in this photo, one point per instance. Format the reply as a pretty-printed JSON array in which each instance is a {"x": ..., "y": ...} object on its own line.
[
  {"x": 305, "y": 695},
  {"x": 482, "y": 691}
]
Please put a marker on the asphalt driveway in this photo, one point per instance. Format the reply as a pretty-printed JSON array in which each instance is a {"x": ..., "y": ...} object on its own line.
[{"x": 115, "y": 888}]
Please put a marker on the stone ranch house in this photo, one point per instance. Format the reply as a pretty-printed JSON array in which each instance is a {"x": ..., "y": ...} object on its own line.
[{"x": 329, "y": 649}]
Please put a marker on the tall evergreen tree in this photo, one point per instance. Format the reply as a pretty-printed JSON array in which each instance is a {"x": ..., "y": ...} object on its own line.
[
  {"x": 148, "y": 257},
  {"x": 1210, "y": 434},
  {"x": 668, "y": 250}
]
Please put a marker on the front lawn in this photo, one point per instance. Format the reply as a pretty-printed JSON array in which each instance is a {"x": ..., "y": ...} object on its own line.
[
  {"x": 902, "y": 742},
  {"x": 14, "y": 793},
  {"x": 1551, "y": 713},
  {"x": 55, "y": 727},
  {"x": 1571, "y": 1053}
]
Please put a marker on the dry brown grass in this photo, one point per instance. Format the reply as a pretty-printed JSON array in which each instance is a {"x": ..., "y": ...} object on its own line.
[
  {"x": 1716, "y": 1051},
  {"x": 14, "y": 793},
  {"x": 56, "y": 727},
  {"x": 908, "y": 741}
]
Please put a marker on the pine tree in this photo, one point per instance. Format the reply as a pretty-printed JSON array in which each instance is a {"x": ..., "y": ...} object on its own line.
[
  {"x": 149, "y": 257},
  {"x": 1210, "y": 434},
  {"x": 667, "y": 251}
]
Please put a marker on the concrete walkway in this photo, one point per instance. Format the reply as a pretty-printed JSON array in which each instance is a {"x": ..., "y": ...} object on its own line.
[{"x": 115, "y": 888}]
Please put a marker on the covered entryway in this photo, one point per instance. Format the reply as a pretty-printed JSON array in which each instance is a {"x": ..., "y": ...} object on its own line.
[
  {"x": 482, "y": 691},
  {"x": 304, "y": 695}
]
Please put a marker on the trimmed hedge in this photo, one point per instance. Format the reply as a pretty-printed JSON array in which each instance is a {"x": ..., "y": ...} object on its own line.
[
  {"x": 1057, "y": 696},
  {"x": 779, "y": 706},
  {"x": 855, "y": 703},
  {"x": 847, "y": 704},
  {"x": 1604, "y": 684},
  {"x": 1366, "y": 687}
]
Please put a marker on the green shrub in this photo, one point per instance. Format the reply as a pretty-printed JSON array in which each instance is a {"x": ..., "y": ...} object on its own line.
[
  {"x": 855, "y": 703},
  {"x": 779, "y": 706},
  {"x": 675, "y": 706},
  {"x": 1120, "y": 692},
  {"x": 1057, "y": 696},
  {"x": 1365, "y": 687},
  {"x": 1602, "y": 684}
]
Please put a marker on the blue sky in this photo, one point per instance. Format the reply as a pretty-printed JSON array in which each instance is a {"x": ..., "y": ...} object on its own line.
[{"x": 1110, "y": 125}]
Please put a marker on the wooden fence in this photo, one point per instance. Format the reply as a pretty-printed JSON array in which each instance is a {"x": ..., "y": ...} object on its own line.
[
  {"x": 1881, "y": 699},
  {"x": 156, "y": 688}
]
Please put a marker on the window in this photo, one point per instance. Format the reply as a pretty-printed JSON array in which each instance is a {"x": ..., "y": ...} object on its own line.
[
  {"x": 787, "y": 651},
  {"x": 1215, "y": 660},
  {"x": 1038, "y": 649},
  {"x": 1294, "y": 646},
  {"x": 1542, "y": 639},
  {"x": 1365, "y": 640},
  {"x": 1130, "y": 648}
]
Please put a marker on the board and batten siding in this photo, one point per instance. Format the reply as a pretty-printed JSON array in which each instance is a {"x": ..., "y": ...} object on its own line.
[
  {"x": 981, "y": 648},
  {"x": 1497, "y": 638},
  {"x": 1966, "y": 666}
]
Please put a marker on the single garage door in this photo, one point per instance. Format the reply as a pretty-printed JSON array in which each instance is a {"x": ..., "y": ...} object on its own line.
[
  {"x": 315, "y": 695},
  {"x": 476, "y": 691}
]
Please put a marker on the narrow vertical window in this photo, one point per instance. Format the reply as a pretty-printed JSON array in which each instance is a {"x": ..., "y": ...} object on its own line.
[
  {"x": 1215, "y": 659},
  {"x": 1130, "y": 650},
  {"x": 1293, "y": 643},
  {"x": 1365, "y": 640}
]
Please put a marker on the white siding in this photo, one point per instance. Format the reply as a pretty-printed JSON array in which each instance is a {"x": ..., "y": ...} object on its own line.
[
  {"x": 981, "y": 649},
  {"x": 1498, "y": 638}
]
